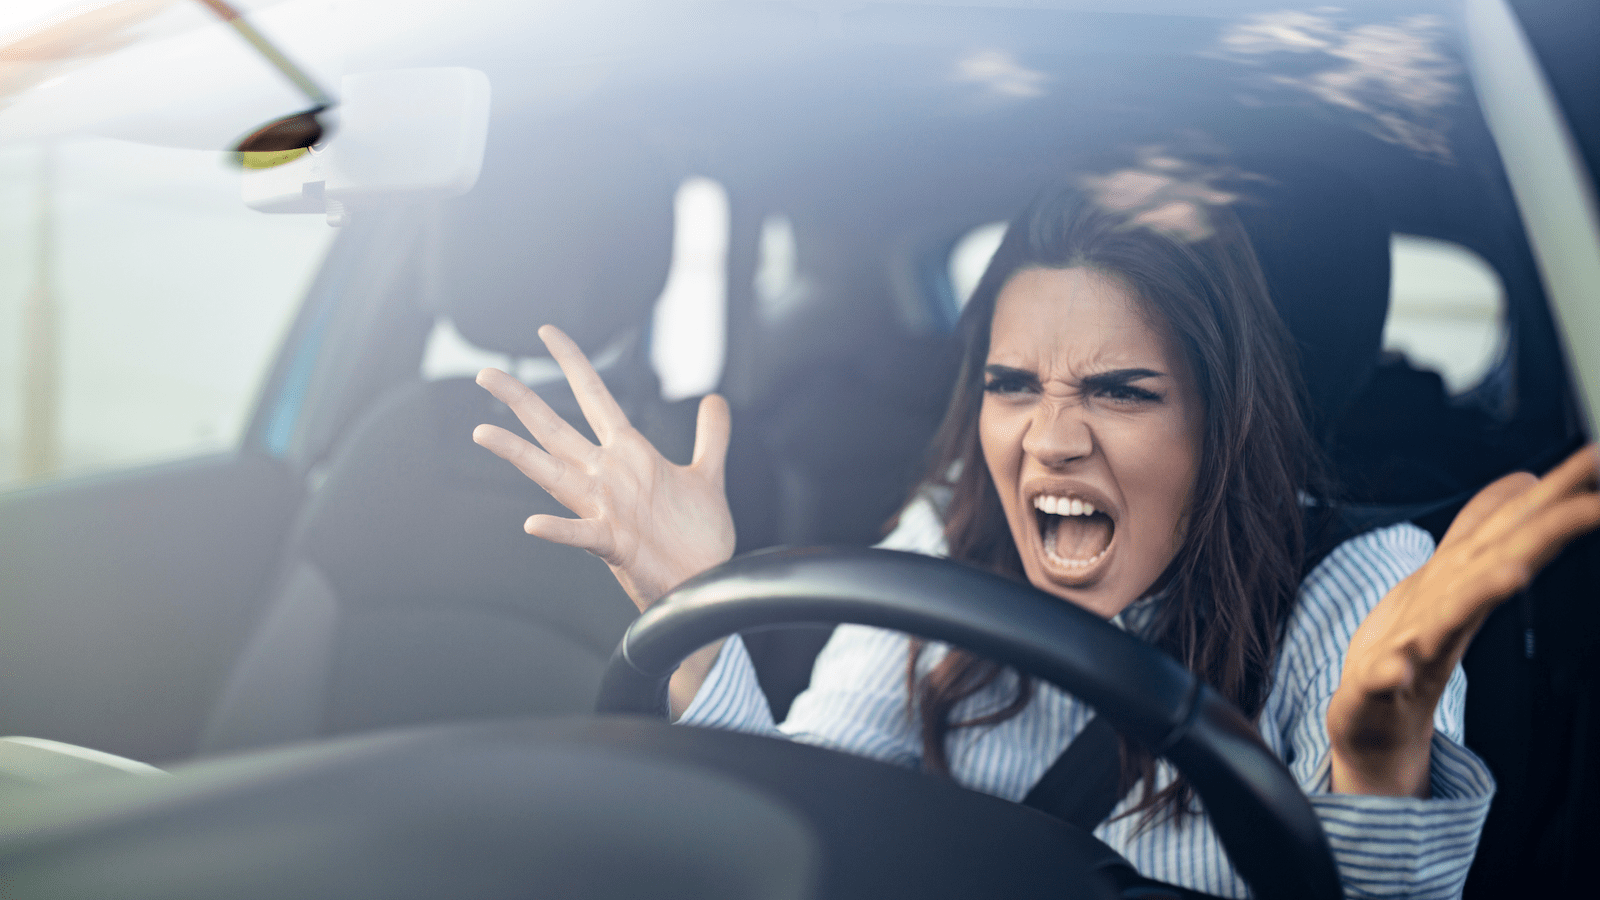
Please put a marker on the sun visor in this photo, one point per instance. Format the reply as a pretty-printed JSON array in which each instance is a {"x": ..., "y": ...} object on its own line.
[{"x": 400, "y": 136}]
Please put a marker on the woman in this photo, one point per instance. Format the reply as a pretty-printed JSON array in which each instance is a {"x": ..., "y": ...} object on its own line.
[{"x": 1124, "y": 435}]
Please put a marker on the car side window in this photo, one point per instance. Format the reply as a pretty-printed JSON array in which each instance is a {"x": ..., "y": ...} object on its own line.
[
  {"x": 969, "y": 256},
  {"x": 141, "y": 303},
  {"x": 1446, "y": 310}
]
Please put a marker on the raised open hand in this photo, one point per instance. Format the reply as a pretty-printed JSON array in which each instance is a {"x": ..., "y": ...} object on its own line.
[
  {"x": 654, "y": 522},
  {"x": 1400, "y": 659}
]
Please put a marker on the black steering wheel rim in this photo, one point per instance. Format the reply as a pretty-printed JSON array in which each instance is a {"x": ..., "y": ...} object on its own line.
[{"x": 1264, "y": 821}]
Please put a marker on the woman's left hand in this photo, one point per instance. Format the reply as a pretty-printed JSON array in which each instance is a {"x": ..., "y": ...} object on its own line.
[{"x": 1380, "y": 720}]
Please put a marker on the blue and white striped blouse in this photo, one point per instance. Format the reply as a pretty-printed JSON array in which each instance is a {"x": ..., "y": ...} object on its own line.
[{"x": 1384, "y": 846}]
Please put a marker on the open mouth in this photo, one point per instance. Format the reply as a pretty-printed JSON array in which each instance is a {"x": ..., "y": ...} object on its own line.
[{"x": 1075, "y": 535}]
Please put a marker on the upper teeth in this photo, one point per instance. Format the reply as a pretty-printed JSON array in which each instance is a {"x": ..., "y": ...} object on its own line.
[{"x": 1062, "y": 506}]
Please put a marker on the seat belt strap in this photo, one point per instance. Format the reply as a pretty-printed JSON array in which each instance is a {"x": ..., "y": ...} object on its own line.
[{"x": 1081, "y": 786}]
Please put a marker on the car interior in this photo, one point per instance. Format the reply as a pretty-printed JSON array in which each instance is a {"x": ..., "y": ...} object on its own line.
[{"x": 359, "y": 564}]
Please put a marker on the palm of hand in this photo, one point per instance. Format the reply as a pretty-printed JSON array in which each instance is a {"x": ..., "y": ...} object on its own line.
[
  {"x": 654, "y": 522},
  {"x": 658, "y": 523},
  {"x": 1399, "y": 661}
]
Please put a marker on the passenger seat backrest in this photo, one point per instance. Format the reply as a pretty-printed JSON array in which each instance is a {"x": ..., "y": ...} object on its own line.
[{"x": 408, "y": 592}]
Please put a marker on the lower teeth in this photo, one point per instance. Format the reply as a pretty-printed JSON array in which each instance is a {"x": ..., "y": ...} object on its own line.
[{"x": 1050, "y": 551}]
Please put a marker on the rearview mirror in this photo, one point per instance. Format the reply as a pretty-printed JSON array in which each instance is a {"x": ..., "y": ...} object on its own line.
[{"x": 403, "y": 135}]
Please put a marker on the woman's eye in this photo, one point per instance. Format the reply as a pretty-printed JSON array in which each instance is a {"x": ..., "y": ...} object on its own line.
[
  {"x": 1127, "y": 393},
  {"x": 1003, "y": 384}
]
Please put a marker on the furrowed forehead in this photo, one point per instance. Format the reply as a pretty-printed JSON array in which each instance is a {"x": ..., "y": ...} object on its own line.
[{"x": 1074, "y": 317}]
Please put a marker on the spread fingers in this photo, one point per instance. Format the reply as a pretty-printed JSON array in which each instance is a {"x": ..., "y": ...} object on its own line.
[
  {"x": 1510, "y": 504},
  {"x": 549, "y": 429},
  {"x": 599, "y": 407},
  {"x": 711, "y": 431},
  {"x": 1552, "y": 528},
  {"x": 1492, "y": 499},
  {"x": 1574, "y": 476},
  {"x": 585, "y": 534},
  {"x": 564, "y": 482}
]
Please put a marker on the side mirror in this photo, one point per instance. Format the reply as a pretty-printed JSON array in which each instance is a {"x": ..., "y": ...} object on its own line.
[{"x": 403, "y": 135}]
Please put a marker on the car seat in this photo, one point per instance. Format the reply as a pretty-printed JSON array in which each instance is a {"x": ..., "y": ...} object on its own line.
[
  {"x": 834, "y": 407},
  {"x": 1402, "y": 450},
  {"x": 408, "y": 591}
]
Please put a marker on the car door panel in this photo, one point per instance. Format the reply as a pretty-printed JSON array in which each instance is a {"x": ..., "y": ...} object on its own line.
[{"x": 125, "y": 597}]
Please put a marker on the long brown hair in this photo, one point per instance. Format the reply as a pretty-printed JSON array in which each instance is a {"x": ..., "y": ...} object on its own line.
[{"x": 1231, "y": 586}]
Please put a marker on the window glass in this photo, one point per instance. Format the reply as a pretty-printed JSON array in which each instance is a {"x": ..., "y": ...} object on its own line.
[
  {"x": 970, "y": 256},
  {"x": 1446, "y": 310},
  {"x": 140, "y": 304},
  {"x": 777, "y": 276},
  {"x": 689, "y": 337}
]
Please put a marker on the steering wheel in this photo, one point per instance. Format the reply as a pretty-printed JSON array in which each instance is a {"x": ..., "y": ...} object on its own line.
[
  {"x": 618, "y": 806},
  {"x": 1263, "y": 820}
]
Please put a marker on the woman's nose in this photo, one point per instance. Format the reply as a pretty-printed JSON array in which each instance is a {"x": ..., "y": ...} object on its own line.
[{"x": 1058, "y": 434}]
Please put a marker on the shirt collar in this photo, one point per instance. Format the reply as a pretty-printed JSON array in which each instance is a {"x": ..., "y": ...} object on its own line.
[{"x": 1136, "y": 616}]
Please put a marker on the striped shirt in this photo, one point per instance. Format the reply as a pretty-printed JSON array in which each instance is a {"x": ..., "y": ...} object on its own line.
[{"x": 1384, "y": 846}]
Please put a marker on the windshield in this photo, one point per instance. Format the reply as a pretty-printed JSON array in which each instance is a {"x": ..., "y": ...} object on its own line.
[
  {"x": 150, "y": 299},
  {"x": 237, "y": 391},
  {"x": 147, "y": 300}
]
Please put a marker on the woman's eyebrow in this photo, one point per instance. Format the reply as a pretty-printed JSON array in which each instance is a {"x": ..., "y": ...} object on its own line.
[
  {"x": 1000, "y": 371},
  {"x": 1120, "y": 376},
  {"x": 1109, "y": 378}
]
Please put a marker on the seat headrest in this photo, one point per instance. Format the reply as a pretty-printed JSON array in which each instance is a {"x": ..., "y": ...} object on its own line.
[
  {"x": 1323, "y": 245},
  {"x": 564, "y": 226}
]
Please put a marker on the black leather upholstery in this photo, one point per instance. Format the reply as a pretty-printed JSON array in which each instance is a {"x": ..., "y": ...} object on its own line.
[{"x": 1323, "y": 245}]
